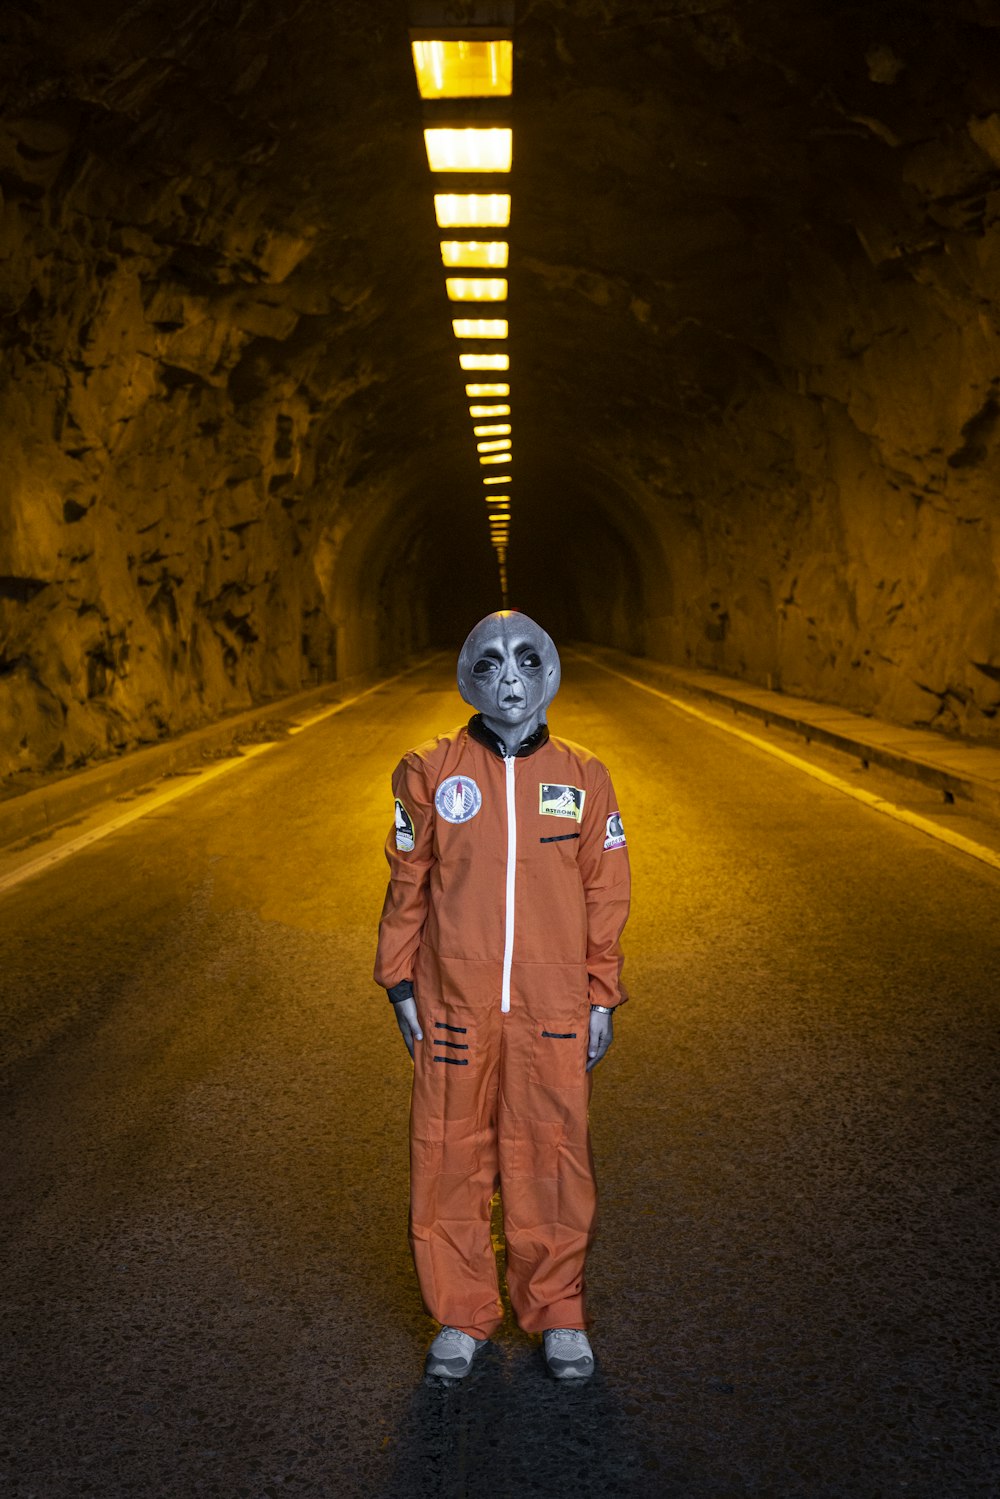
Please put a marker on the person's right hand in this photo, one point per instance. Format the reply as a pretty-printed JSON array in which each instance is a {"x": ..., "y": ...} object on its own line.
[{"x": 409, "y": 1025}]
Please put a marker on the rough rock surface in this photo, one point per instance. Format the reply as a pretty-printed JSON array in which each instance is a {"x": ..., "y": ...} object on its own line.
[
  {"x": 784, "y": 272},
  {"x": 754, "y": 310},
  {"x": 199, "y": 507}
]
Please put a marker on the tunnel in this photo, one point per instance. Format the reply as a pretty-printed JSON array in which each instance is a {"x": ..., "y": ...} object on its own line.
[
  {"x": 752, "y": 355},
  {"x": 288, "y": 403}
]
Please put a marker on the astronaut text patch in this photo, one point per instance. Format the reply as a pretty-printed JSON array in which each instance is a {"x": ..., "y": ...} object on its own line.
[
  {"x": 458, "y": 798},
  {"x": 404, "y": 829},
  {"x": 561, "y": 801},
  {"x": 614, "y": 834}
]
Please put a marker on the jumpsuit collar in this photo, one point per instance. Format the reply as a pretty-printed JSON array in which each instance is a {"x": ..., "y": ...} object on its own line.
[{"x": 485, "y": 736}]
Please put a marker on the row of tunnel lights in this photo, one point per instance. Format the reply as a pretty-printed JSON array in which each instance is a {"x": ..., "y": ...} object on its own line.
[{"x": 467, "y": 68}]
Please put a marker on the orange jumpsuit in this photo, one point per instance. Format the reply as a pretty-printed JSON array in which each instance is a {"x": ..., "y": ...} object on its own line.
[{"x": 509, "y": 889}]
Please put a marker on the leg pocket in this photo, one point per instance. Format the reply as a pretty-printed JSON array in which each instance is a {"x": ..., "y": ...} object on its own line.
[
  {"x": 557, "y": 1075},
  {"x": 450, "y": 1109}
]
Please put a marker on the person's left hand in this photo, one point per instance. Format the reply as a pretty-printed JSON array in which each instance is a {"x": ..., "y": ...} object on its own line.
[{"x": 602, "y": 1033}]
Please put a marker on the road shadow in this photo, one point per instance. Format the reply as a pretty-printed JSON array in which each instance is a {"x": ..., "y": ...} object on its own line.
[{"x": 509, "y": 1430}]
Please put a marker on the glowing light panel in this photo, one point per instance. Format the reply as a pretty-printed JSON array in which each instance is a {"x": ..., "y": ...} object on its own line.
[
  {"x": 502, "y": 429},
  {"x": 487, "y": 390},
  {"x": 493, "y": 447},
  {"x": 484, "y": 361},
  {"x": 476, "y": 288},
  {"x": 469, "y": 150},
  {"x": 474, "y": 254},
  {"x": 499, "y": 479},
  {"x": 483, "y": 210},
  {"x": 463, "y": 70},
  {"x": 480, "y": 327},
  {"x": 488, "y": 410},
  {"x": 496, "y": 458}
]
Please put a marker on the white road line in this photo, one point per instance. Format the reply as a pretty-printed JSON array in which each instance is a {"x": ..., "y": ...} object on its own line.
[
  {"x": 181, "y": 787},
  {"x": 877, "y": 803}
]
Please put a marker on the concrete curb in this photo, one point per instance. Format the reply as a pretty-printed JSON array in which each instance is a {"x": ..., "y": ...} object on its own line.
[
  {"x": 956, "y": 768},
  {"x": 44, "y": 808}
]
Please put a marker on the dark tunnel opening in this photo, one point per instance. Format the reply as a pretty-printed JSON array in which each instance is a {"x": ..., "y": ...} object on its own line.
[{"x": 590, "y": 566}]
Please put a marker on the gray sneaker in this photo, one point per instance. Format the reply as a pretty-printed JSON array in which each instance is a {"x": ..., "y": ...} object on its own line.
[
  {"x": 568, "y": 1353},
  {"x": 451, "y": 1353}
]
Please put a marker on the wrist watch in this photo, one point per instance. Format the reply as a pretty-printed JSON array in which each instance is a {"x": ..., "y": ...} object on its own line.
[{"x": 602, "y": 1009}]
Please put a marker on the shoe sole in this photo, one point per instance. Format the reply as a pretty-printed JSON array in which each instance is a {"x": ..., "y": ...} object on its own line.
[
  {"x": 439, "y": 1370},
  {"x": 567, "y": 1375}
]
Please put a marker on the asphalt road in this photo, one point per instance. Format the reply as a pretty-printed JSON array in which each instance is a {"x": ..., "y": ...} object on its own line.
[{"x": 206, "y": 1281}]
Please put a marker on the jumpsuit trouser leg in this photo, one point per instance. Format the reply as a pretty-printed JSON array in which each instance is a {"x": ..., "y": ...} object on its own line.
[
  {"x": 454, "y": 1165},
  {"x": 546, "y": 1165},
  {"x": 501, "y": 1100}
]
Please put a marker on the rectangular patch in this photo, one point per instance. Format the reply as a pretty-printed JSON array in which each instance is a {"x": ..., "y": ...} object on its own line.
[
  {"x": 404, "y": 829},
  {"x": 561, "y": 801},
  {"x": 614, "y": 833}
]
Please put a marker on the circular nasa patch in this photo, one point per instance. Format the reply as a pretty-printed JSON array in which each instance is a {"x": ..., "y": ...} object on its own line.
[{"x": 458, "y": 798}]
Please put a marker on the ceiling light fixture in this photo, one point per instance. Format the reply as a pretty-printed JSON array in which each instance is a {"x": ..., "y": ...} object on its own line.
[
  {"x": 499, "y": 479},
  {"x": 484, "y": 361},
  {"x": 477, "y": 411},
  {"x": 480, "y": 327},
  {"x": 501, "y": 429},
  {"x": 482, "y": 210},
  {"x": 469, "y": 149},
  {"x": 487, "y": 390},
  {"x": 493, "y": 447},
  {"x": 474, "y": 254},
  {"x": 463, "y": 69},
  {"x": 476, "y": 288},
  {"x": 496, "y": 458}
]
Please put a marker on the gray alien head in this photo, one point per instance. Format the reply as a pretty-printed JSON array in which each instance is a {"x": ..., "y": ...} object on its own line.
[{"x": 508, "y": 669}]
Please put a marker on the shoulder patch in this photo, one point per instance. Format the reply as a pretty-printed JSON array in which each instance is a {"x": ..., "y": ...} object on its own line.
[
  {"x": 458, "y": 799},
  {"x": 404, "y": 829},
  {"x": 614, "y": 833},
  {"x": 561, "y": 801}
]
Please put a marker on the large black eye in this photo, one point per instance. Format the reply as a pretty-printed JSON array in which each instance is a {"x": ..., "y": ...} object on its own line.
[
  {"x": 482, "y": 667},
  {"x": 532, "y": 660}
]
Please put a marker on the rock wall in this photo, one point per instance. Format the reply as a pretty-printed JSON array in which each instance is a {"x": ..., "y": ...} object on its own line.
[
  {"x": 833, "y": 528},
  {"x": 198, "y": 333},
  {"x": 158, "y": 567},
  {"x": 784, "y": 277}
]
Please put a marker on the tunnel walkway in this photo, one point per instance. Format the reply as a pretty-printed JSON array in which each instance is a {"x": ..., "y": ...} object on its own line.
[{"x": 208, "y": 1288}]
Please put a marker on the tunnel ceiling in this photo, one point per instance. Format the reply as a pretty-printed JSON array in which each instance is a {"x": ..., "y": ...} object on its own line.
[{"x": 753, "y": 340}]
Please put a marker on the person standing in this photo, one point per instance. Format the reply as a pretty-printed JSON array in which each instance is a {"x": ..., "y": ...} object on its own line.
[{"x": 499, "y": 947}]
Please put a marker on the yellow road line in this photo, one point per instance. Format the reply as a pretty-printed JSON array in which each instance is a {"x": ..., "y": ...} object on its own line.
[
  {"x": 181, "y": 787},
  {"x": 877, "y": 803}
]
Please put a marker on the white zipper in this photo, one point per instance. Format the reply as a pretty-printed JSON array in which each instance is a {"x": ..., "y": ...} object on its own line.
[{"x": 508, "y": 936}]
